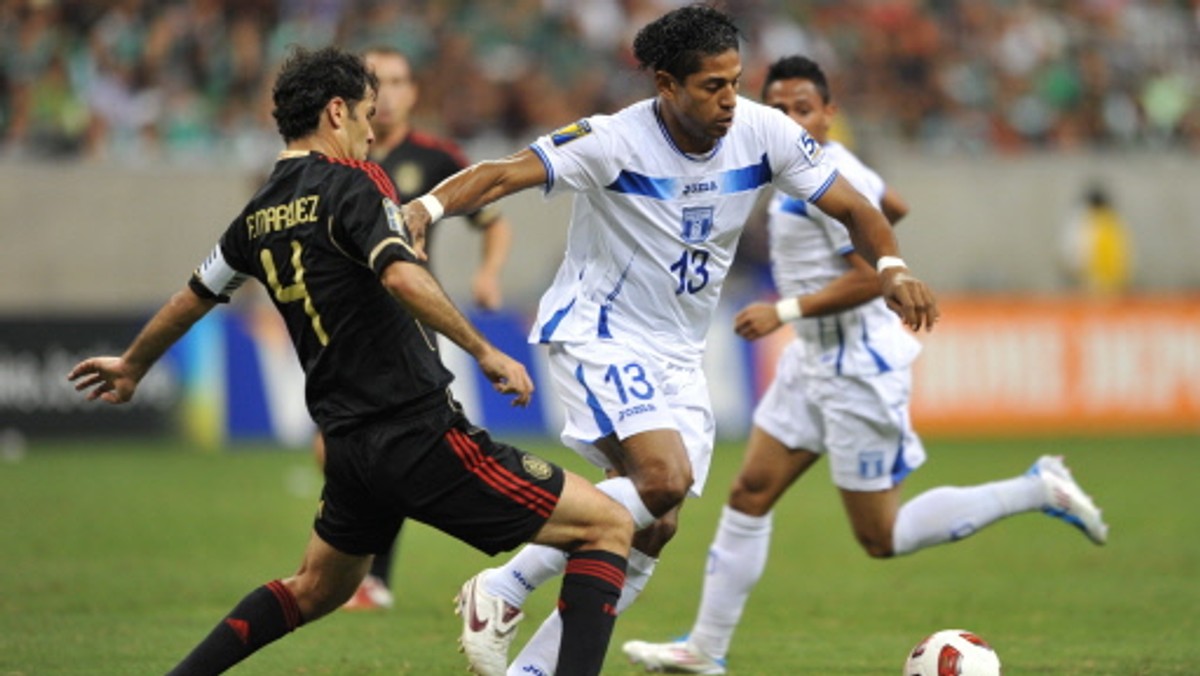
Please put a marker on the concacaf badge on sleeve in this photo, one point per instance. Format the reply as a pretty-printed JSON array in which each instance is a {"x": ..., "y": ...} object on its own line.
[
  {"x": 394, "y": 219},
  {"x": 570, "y": 132},
  {"x": 809, "y": 146}
]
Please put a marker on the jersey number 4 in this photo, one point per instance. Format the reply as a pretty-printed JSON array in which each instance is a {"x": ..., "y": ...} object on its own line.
[
  {"x": 691, "y": 270},
  {"x": 294, "y": 292}
]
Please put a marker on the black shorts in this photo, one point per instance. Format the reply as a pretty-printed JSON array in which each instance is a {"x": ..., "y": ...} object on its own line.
[{"x": 438, "y": 469}]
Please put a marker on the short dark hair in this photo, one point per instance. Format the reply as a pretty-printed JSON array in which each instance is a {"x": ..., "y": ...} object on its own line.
[
  {"x": 310, "y": 79},
  {"x": 797, "y": 68},
  {"x": 677, "y": 41}
]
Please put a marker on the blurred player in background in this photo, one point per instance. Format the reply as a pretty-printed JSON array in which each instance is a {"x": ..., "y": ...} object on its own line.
[
  {"x": 416, "y": 162},
  {"x": 842, "y": 391},
  {"x": 324, "y": 235},
  {"x": 662, "y": 190}
]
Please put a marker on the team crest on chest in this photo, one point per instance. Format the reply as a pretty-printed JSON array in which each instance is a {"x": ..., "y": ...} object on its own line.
[
  {"x": 409, "y": 177},
  {"x": 697, "y": 224}
]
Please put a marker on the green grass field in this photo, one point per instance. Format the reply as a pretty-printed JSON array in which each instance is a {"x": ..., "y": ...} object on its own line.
[{"x": 117, "y": 559}]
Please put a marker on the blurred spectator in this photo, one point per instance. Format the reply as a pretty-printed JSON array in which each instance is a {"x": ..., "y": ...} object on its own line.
[
  {"x": 183, "y": 79},
  {"x": 1096, "y": 246}
]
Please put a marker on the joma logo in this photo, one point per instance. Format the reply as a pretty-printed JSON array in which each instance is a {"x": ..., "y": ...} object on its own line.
[{"x": 704, "y": 186}]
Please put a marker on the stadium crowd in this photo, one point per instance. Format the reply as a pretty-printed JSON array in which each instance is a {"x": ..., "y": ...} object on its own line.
[{"x": 189, "y": 80}]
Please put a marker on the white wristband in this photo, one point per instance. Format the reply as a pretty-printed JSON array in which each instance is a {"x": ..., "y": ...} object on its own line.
[
  {"x": 886, "y": 262},
  {"x": 788, "y": 309},
  {"x": 432, "y": 205}
]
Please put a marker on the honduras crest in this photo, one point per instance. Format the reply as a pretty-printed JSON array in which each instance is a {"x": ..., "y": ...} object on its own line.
[{"x": 697, "y": 224}]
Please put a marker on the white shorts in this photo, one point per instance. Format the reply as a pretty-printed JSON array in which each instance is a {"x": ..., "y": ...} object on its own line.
[
  {"x": 860, "y": 422},
  {"x": 610, "y": 388}
]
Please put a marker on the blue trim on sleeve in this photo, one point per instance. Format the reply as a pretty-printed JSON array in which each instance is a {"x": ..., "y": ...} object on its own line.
[
  {"x": 825, "y": 186},
  {"x": 545, "y": 162}
]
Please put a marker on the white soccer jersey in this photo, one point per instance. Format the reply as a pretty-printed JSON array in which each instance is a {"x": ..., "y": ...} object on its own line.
[
  {"x": 808, "y": 251},
  {"x": 653, "y": 229}
]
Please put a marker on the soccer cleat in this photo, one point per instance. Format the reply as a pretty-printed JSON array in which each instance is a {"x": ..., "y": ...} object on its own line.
[
  {"x": 1066, "y": 500},
  {"x": 372, "y": 594},
  {"x": 489, "y": 627},
  {"x": 678, "y": 657}
]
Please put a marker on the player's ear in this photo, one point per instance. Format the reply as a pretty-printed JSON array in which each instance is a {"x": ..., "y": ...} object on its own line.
[
  {"x": 336, "y": 111},
  {"x": 665, "y": 83}
]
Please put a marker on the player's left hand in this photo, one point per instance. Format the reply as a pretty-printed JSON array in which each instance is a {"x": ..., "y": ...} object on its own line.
[
  {"x": 416, "y": 221},
  {"x": 508, "y": 376},
  {"x": 107, "y": 378},
  {"x": 485, "y": 287},
  {"x": 910, "y": 298},
  {"x": 756, "y": 320}
]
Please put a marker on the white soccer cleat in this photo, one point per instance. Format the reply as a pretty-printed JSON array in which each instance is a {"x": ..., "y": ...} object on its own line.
[
  {"x": 678, "y": 657},
  {"x": 489, "y": 627},
  {"x": 1066, "y": 500}
]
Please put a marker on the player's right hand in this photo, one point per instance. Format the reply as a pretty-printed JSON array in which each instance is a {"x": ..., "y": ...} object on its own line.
[
  {"x": 107, "y": 378},
  {"x": 508, "y": 376},
  {"x": 756, "y": 320},
  {"x": 416, "y": 221},
  {"x": 910, "y": 298}
]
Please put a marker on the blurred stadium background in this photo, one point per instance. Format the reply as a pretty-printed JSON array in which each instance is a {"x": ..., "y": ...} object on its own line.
[{"x": 132, "y": 130}]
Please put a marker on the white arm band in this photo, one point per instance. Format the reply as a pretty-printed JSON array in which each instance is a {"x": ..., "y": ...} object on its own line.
[
  {"x": 788, "y": 309},
  {"x": 432, "y": 205},
  {"x": 886, "y": 262}
]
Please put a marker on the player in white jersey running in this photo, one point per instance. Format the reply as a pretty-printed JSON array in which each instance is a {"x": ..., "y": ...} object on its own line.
[
  {"x": 842, "y": 391},
  {"x": 662, "y": 189}
]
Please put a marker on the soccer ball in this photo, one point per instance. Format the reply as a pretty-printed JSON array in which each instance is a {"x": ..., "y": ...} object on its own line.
[{"x": 952, "y": 652}]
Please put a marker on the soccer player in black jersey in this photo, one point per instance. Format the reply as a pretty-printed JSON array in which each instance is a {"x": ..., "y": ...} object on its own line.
[
  {"x": 416, "y": 162},
  {"x": 325, "y": 236}
]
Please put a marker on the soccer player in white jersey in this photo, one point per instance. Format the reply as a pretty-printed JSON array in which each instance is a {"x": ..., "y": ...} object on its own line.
[
  {"x": 662, "y": 189},
  {"x": 842, "y": 391}
]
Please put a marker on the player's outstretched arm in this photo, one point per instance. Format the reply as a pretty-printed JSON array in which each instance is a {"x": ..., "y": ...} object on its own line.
[
  {"x": 472, "y": 189},
  {"x": 874, "y": 240},
  {"x": 413, "y": 286},
  {"x": 115, "y": 379}
]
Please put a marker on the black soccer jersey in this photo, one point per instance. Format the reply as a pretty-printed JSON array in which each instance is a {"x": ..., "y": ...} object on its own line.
[
  {"x": 422, "y": 161},
  {"x": 318, "y": 235}
]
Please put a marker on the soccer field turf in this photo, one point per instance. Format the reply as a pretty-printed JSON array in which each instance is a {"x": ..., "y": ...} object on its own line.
[{"x": 118, "y": 558}]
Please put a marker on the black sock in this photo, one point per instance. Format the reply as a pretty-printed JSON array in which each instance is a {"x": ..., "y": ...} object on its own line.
[
  {"x": 266, "y": 614},
  {"x": 588, "y": 606}
]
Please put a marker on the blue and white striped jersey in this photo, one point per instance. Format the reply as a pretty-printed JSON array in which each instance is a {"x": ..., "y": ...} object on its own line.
[
  {"x": 808, "y": 250},
  {"x": 653, "y": 229}
]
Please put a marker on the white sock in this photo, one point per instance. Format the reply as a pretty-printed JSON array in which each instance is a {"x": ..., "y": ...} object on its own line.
[
  {"x": 625, "y": 492},
  {"x": 952, "y": 513},
  {"x": 540, "y": 654},
  {"x": 524, "y": 572},
  {"x": 736, "y": 561}
]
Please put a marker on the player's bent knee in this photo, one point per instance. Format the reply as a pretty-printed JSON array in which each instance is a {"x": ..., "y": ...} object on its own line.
[{"x": 612, "y": 529}]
